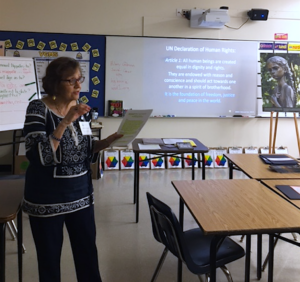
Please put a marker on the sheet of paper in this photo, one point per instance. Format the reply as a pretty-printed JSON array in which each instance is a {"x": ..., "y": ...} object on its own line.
[
  {"x": 171, "y": 141},
  {"x": 131, "y": 125},
  {"x": 149, "y": 147},
  {"x": 153, "y": 141},
  {"x": 296, "y": 188},
  {"x": 279, "y": 159}
]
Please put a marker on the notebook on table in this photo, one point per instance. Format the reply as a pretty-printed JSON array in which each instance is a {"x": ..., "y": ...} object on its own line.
[
  {"x": 285, "y": 168},
  {"x": 292, "y": 192},
  {"x": 278, "y": 160}
]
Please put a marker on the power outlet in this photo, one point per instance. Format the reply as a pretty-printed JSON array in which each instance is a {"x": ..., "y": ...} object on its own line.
[{"x": 181, "y": 12}]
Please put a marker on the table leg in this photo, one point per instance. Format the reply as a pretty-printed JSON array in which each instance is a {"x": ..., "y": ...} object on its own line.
[
  {"x": 230, "y": 170},
  {"x": 137, "y": 188},
  {"x": 20, "y": 244},
  {"x": 259, "y": 254},
  {"x": 193, "y": 167},
  {"x": 213, "y": 257},
  {"x": 271, "y": 258},
  {"x": 203, "y": 166},
  {"x": 181, "y": 219},
  {"x": 2, "y": 251},
  {"x": 247, "y": 260},
  {"x": 136, "y": 163}
]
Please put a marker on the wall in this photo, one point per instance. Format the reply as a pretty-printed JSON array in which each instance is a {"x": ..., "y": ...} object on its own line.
[{"x": 156, "y": 18}]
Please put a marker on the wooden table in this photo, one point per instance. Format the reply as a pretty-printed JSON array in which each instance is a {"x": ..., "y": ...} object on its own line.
[
  {"x": 164, "y": 151},
  {"x": 255, "y": 168},
  {"x": 11, "y": 195},
  {"x": 272, "y": 185},
  {"x": 237, "y": 207}
]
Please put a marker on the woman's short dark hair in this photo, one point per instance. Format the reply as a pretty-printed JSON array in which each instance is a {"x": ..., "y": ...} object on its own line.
[{"x": 55, "y": 72}]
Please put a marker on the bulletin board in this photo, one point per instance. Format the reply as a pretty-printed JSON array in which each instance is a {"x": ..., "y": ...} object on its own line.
[{"x": 89, "y": 50}]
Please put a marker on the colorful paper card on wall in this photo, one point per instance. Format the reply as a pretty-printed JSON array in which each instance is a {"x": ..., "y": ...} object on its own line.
[
  {"x": 208, "y": 158},
  {"x": 174, "y": 161},
  {"x": 86, "y": 47},
  {"x": 63, "y": 46},
  {"x": 281, "y": 36},
  {"x": 41, "y": 45},
  {"x": 187, "y": 162},
  {"x": 294, "y": 47},
  {"x": 144, "y": 162},
  {"x": 95, "y": 53},
  {"x": 96, "y": 67},
  {"x": 111, "y": 159},
  {"x": 157, "y": 162},
  {"x": 266, "y": 46},
  {"x": 52, "y": 44},
  {"x": 95, "y": 93},
  {"x": 31, "y": 42},
  {"x": 127, "y": 159},
  {"x": 20, "y": 44},
  {"x": 74, "y": 46},
  {"x": 219, "y": 159}
]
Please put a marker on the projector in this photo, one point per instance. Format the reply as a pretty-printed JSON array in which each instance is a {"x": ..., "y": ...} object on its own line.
[
  {"x": 210, "y": 18},
  {"x": 258, "y": 14}
]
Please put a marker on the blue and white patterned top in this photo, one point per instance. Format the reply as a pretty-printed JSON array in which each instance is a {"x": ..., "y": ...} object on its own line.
[{"x": 56, "y": 182}]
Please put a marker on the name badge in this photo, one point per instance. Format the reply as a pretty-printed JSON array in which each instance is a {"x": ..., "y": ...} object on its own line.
[{"x": 85, "y": 128}]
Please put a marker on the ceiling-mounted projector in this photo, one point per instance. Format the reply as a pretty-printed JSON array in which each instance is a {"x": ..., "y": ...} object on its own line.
[{"x": 210, "y": 18}]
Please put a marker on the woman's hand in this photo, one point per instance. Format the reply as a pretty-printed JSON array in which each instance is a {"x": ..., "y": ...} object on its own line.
[
  {"x": 75, "y": 112},
  {"x": 113, "y": 137}
]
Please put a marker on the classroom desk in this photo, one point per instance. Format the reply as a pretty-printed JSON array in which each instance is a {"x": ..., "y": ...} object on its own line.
[
  {"x": 272, "y": 185},
  {"x": 164, "y": 151},
  {"x": 11, "y": 195},
  {"x": 237, "y": 207},
  {"x": 255, "y": 168}
]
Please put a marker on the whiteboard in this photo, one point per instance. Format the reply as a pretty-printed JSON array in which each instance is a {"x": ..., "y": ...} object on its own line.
[
  {"x": 182, "y": 77},
  {"x": 17, "y": 88}
]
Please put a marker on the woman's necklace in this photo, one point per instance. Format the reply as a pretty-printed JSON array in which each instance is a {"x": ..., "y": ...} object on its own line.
[{"x": 58, "y": 110}]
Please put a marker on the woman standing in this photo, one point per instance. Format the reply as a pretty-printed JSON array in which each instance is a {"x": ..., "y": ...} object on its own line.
[{"x": 58, "y": 185}]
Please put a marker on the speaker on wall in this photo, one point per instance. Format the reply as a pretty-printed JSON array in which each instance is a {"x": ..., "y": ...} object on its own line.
[{"x": 258, "y": 14}]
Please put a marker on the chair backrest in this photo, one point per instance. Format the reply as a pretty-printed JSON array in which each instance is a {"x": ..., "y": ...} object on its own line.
[{"x": 165, "y": 226}]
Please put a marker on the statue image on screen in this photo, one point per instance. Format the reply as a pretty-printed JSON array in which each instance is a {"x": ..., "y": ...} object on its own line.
[{"x": 280, "y": 81}]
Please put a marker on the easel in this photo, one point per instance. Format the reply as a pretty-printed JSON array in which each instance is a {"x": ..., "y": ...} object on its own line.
[{"x": 272, "y": 146}]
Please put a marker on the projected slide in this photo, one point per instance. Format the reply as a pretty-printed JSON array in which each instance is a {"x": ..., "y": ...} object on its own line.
[{"x": 182, "y": 77}]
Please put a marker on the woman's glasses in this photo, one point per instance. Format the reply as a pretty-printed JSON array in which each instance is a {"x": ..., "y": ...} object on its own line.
[{"x": 74, "y": 80}]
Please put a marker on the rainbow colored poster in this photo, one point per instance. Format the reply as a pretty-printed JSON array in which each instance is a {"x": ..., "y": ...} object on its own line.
[
  {"x": 144, "y": 162},
  {"x": 187, "y": 162},
  {"x": 126, "y": 159},
  {"x": 208, "y": 158},
  {"x": 111, "y": 159},
  {"x": 158, "y": 162},
  {"x": 174, "y": 161},
  {"x": 219, "y": 159}
]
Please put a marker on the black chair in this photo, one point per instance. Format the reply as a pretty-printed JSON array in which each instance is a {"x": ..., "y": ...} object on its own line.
[{"x": 192, "y": 247}]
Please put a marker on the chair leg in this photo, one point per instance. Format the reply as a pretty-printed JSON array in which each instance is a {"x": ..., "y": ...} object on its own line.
[
  {"x": 207, "y": 277},
  {"x": 267, "y": 257},
  {"x": 295, "y": 236},
  {"x": 242, "y": 238},
  {"x": 227, "y": 273},
  {"x": 11, "y": 231},
  {"x": 15, "y": 231},
  {"x": 160, "y": 263}
]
